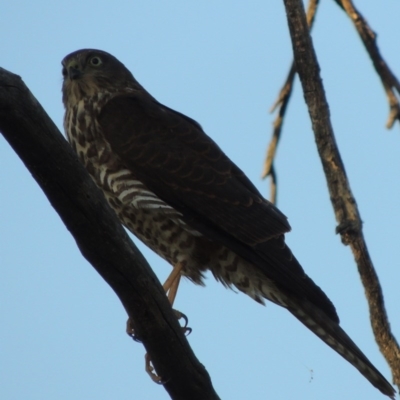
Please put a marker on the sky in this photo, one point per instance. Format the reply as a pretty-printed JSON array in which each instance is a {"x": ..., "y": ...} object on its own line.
[{"x": 222, "y": 63}]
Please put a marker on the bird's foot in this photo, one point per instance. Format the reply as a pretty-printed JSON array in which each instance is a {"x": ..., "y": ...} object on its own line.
[
  {"x": 150, "y": 370},
  {"x": 148, "y": 365},
  {"x": 179, "y": 315}
]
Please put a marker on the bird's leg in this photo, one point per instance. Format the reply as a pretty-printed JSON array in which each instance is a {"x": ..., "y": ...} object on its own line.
[
  {"x": 171, "y": 284},
  {"x": 171, "y": 289}
]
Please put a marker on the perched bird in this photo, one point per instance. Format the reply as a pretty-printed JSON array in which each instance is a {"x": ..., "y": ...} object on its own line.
[{"x": 174, "y": 188}]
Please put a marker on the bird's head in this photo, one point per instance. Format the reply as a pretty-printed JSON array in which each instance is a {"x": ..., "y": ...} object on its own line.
[{"x": 88, "y": 72}]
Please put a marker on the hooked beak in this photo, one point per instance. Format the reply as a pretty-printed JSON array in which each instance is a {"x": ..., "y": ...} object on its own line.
[{"x": 74, "y": 72}]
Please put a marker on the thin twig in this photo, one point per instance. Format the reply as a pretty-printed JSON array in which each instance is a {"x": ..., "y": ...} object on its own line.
[
  {"x": 343, "y": 201},
  {"x": 389, "y": 81},
  {"x": 282, "y": 102}
]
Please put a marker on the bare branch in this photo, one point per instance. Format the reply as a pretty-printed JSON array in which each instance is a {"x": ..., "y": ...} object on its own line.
[
  {"x": 344, "y": 204},
  {"x": 389, "y": 81},
  {"x": 101, "y": 238},
  {"x": 282, "y": 102}
]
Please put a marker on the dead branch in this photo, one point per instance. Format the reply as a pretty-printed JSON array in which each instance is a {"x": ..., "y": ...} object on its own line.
[
  {"x": 343, "y": 201},
  {"x": 389, "y": 81},
  {"x": 101, "y": 238},
  {"x": 282, "y": 102}
]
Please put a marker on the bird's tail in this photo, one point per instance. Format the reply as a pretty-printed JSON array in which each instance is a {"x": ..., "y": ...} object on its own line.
[{"x": 334, "y": 336}]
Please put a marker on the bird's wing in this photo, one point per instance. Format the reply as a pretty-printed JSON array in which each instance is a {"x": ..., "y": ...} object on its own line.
[{"x": 184, "y": 167}]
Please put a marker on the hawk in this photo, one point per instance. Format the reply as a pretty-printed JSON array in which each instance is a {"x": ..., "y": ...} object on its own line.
[{"x": 175, "y": 190}]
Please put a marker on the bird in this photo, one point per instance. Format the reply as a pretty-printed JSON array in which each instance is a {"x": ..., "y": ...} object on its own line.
[{"x": 174, "y": 188}]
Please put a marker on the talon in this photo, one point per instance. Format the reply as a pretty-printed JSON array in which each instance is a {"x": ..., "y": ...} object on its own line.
[
  {"x": 180, "y": 315},
  {"x": 131, "y": 331},
  {"x": 135, "y": 338},
  {"x": 187, "y": 331}
]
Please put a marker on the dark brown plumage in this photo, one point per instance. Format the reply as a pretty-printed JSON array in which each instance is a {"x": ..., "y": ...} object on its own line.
[{"x": 175, "y": 189}]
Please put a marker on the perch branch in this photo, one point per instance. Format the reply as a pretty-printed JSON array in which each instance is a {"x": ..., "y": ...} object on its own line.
[{"x": 101, "y": 238}]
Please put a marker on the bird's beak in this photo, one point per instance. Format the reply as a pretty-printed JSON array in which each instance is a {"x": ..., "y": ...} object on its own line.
[{"x": 74, "y": 71}]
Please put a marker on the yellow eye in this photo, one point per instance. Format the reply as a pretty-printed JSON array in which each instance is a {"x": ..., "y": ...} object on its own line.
[{"x": 95, "y": 61}]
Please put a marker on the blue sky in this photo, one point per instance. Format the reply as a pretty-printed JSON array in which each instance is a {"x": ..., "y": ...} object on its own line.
[{"x": 221, "y": 63}]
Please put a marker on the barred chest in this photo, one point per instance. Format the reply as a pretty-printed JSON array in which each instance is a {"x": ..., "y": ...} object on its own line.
[{"x": 153, "y": 221}]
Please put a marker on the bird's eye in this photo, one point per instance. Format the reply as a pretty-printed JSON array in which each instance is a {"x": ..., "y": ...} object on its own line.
[
  {"x": 95, "y": 61},
  {"x": 64, "y": 72}
]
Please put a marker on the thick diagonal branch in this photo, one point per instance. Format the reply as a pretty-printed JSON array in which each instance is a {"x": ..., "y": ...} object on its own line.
[
  {"x": 343, "y": 201},
  {"x": 282, "y": 102},
  {"x": 101, "y": 238}
]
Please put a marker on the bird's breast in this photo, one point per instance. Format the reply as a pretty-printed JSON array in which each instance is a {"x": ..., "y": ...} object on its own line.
[{"x": 148, "y": 217}]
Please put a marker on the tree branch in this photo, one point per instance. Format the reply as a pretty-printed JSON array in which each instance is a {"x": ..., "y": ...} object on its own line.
[
  {"x": 282, "y": 102},
  {"x": 343, "y": 201},
  {"x": 389, "y": 81},
  {"x": 101, "y": 238}
]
